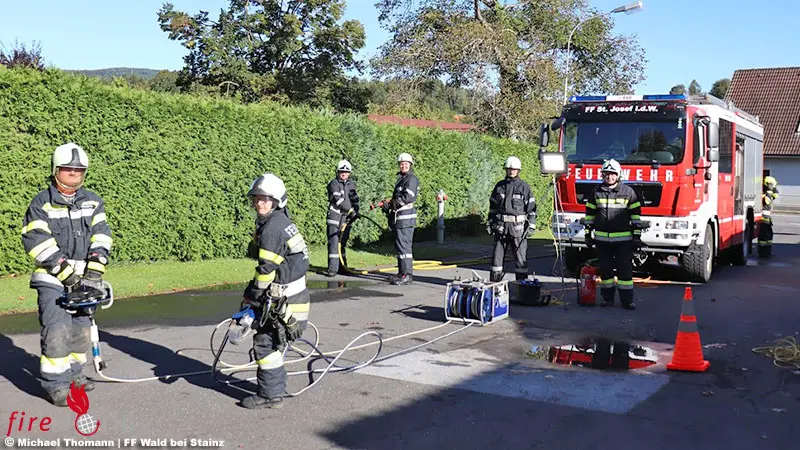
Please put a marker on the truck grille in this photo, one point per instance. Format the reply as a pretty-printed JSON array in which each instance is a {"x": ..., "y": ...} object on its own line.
[{"x": 649, "y": 193}]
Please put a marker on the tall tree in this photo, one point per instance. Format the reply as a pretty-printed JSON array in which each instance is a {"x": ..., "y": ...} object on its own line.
[
  {"x": 720, "y": 87},
  {"x": 512, "y": 56},
  {"x": 20, "y": 55},
  {"x": 291, "y": 50},
  {"x": 694, "y": 88},
  {"x": 678, "y": 89}
]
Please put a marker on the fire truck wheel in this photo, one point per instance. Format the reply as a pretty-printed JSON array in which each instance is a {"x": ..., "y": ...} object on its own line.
[
  {"x": 698, "y": 260},
  {"x": 743, "y": 251}
]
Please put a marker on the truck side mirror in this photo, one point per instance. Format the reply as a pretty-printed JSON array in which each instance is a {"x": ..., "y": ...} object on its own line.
[
  {"x": 713, "y": 137},
  {"x": 544, "y": 136},
  {"x": 713, "y": 154},
  {"x": 558, "y": 123}
]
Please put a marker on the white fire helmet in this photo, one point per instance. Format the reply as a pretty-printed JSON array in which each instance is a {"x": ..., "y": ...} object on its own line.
[
  {"x": 513, "y": 163},
  {"x": 270, "y": 186},
  {"x": 344, "y": 166},
  {"x": 69, "y": 155},
  {"x": 405, "y": 157},
  {"x": 613, "y": 166}
]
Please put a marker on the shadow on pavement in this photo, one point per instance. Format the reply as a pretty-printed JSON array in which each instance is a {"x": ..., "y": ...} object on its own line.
[
  {"x": 20, "y": 368},
  {"x": 167, "y": 362}
]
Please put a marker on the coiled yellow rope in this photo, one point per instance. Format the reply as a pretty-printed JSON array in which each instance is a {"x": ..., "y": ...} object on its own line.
[{"x": 785, "y": 353}]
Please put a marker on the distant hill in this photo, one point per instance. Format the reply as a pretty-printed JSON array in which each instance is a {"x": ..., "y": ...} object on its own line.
[{"x": 118, "y": 72}]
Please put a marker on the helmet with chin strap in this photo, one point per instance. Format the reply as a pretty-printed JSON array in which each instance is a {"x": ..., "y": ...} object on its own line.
[{"x": 271, "y": 186}]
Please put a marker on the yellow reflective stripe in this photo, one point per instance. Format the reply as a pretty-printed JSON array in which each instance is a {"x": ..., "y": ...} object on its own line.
[
  {"x": 613, "y": 234},
  {"x": 605, "y": 282},
  {"x": 79, "y": 357},
  {"x": 64, "y": 274},
  {"x": 93, "y": 265},
  {"x": 637, "y": 232},
  {"x": 49, "y": 207},
  {"x": 37, "y": 225},
  {"x": 42, "y": 247},
  {"x": 54, "y": 365},
  {"x": 294, "y": 240},
  {"x": 299, "y": 307},
  {"x": 101, "y": 238},
  {"x": 591, "y": 205},
  {"x": 634, "y": 205},
  {"x": 265, "y": 278},
  {"x": 273, "y": 360},
  {"x": 636, "y": 217},
  {"x": 270, "y": 256},
  {"x": 625, "y": 282},
  {"x": 98, "y": 218}
]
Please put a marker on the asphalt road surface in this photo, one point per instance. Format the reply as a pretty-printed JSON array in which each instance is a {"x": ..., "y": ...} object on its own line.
[{"x": 478, "y": 388}]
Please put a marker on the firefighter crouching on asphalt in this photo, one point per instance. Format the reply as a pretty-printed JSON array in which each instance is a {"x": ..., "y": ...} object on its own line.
[
  {"x": 613, "y": 212},
  {"x": 402, "y": 217},
  {"x": 281, "y": 277},
  {"x": 66, "y": 232},
  {"x": 768, "y": 197},
  {"x": 512, "y": 216},
  {"x": 343, "y": 207}
]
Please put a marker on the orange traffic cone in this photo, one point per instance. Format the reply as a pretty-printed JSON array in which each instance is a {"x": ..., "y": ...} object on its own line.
[{"x": 688, "y": 354}]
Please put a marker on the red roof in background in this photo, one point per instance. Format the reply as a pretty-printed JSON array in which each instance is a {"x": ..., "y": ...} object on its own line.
[
  {"x": 455, "y": 126},
  {"x": 774, "y": 96}
]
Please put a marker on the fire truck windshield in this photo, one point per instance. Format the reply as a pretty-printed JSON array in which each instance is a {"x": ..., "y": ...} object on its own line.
[{"x": 659, "y": 142}]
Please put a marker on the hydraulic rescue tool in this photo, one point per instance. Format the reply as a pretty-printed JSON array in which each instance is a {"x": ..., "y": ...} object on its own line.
[{"x": 86, "y": 300}]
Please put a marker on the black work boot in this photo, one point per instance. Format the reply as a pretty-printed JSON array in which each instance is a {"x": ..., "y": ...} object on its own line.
[
  {"x": 521, "y": 276},
  {"x": 258, "y": 402},
  {"x": 58, "y": 396},
  {"x": 626, "y": 299},
  {"x": 402, "y": 279},
  {"x": 608, "y": 296},
  {"x": 82, "y": 380}
]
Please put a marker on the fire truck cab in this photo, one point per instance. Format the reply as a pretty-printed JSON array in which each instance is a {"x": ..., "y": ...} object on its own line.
[{"x": 695, "y": 163}]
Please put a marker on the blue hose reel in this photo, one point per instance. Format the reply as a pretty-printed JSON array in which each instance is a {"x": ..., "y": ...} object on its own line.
[{"x": 476, "y": 302}]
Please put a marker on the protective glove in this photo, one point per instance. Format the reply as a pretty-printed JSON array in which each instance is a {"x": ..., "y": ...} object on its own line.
[
  {"x": 73, "y": 279},
  {"x": 589, "y": 239},
  {"x": 352, "y": 215},
  {"x": 92, "y": 279},
  {"x": 385, "y": 205},
  {"x": 293, "y": 330},
  {"x": 489, "y": 227},
  {"x": 253, "y": 295}
]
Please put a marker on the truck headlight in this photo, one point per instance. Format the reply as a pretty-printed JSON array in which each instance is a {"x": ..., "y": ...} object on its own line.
[{"x": 677, "y": 225}]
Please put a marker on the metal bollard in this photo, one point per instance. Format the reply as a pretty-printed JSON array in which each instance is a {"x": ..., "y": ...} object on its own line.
[{"x": 440, "y": 198}]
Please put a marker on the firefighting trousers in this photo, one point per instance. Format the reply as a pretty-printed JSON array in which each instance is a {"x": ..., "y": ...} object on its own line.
[
  {"x": 518, "y": 245},
  {"x": 765, "y": 237},
  {"x": 269, "y": 343},
  {"x": 616, "y": 258},
  {"x": 335, "y": 235},
  {"x": 403, "y": 243},
  {"x": 65, "y": 341}
]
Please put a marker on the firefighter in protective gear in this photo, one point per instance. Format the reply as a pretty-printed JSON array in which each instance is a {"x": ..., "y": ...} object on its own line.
[
  {"x": 343, "y": 207},
  {"x": 512, "y": 216},
  {"x": 613, "y": 211},
  {"x": 66, "y": 232},
  {"x": 768, "y": 197},
  {"x": 280, "y": 277},
  {"x": 402, "y": 217}
]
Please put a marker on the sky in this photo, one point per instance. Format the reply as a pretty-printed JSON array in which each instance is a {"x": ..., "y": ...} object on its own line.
[{"x": 683, "y": 39}]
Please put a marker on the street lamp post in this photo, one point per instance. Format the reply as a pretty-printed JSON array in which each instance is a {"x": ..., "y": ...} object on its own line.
[{"x": 630, "y": 8}]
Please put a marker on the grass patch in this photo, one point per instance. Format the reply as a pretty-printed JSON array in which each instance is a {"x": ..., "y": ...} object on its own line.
[{"x": 140, "y": 279}]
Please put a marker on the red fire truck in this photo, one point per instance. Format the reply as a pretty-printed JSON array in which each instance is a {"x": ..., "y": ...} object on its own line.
[{"x": 695, "y": 162}]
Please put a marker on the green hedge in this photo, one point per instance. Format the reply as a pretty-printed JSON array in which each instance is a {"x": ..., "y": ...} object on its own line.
[{"x": 174, "y": 169}]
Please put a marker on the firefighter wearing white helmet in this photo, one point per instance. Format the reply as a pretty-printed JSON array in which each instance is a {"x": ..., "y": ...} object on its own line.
[
  {"x": 66, "y": 232},
  {"x": 765, "y": 230},
  {"x": 280, "y": 276},
  {"x": 402, "y": 215},
  {"x": 613, "y": 212},
  {"x": 512, "y": 216},
  {"x": 343, "y": 209}
]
